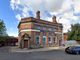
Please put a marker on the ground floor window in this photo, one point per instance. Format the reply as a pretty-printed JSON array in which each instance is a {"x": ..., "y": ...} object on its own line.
[
  {"x": 50, "y": 40},
  {"x": 37, "y": 40},
  {"x": 54, "y": 40},
  {"x": 60, "y": 42}
]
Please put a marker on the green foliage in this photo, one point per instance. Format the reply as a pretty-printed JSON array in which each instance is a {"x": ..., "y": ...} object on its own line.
[
  {"x": 3, "y": 38},
  {"x": 2, "y": 28},
  {"x": 74, "y": 34},
  {"x": 3, "y": 34}
]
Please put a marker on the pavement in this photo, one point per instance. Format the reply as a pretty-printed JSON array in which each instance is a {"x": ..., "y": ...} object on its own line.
[
  {"x": 54, "y": 54},
  {"x": 17, "y": 49}
]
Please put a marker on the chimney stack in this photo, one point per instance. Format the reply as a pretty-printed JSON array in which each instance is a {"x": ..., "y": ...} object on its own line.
[
  {"x": 54, "y": 19},
  {"x": 38, "y": 14}
]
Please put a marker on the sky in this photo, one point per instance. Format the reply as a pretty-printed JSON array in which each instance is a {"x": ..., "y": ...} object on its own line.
[
  {"x": 66, "y": 11},
  {"x": 8, "y": 16}
]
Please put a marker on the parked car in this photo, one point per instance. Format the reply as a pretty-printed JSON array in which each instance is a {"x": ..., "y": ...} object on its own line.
[
  {"x": 70, "y": 43},
  {"x": 73, "y": 50}
]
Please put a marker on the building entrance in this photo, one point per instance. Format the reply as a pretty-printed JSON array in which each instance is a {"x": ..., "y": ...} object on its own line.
[
  {"x": 25, "y": 43},
  {"x": 44, "y": 41}
]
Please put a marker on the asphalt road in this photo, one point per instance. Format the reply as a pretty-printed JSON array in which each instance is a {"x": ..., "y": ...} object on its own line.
[{"x": 5, "y": 54}]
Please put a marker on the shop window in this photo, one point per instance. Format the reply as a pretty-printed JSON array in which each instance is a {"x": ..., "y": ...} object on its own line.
[
  {"x": 55, "y": 40},
  {"x": 49, "y": 41},
  {"x": 37, "y": 40}
]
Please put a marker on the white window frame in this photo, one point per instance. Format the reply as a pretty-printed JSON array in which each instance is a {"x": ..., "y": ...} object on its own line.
[{"x": 50, "y": 40}]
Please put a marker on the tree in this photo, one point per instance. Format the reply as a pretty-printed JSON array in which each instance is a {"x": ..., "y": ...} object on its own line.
[
  {"x": 3, "y": 34},
  {"x": 2, "y": 28},
  {"x": 74, "y": 33}
]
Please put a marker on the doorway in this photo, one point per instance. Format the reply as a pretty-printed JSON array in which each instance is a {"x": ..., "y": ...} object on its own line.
[
  {"x": 44, "y": 41},
  {"x": 25, "y": 43}
]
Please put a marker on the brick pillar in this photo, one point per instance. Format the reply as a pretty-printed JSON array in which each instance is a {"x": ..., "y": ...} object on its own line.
[
  {"x": 41, "y": 37},
  {"x": 34, "y": 37},
  {"x": 47, "y": 38}
]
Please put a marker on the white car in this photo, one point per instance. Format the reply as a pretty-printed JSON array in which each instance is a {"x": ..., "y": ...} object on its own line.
[{"x": 71, "y": 43}]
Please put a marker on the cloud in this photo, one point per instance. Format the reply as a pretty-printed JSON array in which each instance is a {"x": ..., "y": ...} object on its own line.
[
  {"x": 67, "y": 11},
  {"x": 29, "y": 7},
  {"x": 12, "y": 32},
  {"x": 18, "y": 16},
  {"x": 14, "y": 4},
  {"x": 77, "y": 5}
]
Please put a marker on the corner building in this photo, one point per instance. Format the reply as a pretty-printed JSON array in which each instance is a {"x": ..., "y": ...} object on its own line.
[{"x": 35, "y": 32}]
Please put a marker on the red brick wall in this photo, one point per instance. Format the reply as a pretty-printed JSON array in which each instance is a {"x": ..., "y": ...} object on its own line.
[
  {"x": 26, "y": 26},
  {"x": 65, "y": 36}
]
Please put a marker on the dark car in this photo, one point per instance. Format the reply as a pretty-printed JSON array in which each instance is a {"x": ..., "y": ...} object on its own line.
[{"x": 73, "y": 50}]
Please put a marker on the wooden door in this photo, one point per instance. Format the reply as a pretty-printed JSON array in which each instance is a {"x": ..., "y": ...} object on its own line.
[{"x": 25, "y": 43}]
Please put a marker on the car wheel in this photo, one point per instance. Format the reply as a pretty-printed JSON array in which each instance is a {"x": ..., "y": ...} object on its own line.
[{"x": 77, "y": 52}]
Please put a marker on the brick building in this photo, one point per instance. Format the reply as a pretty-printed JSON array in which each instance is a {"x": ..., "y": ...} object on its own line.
[
  {"x": 65, "y": 36},
  {"x": 36, "y": 32}
]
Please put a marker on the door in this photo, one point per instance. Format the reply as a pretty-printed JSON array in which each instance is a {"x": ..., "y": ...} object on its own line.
[
  {"x": 25, "y": 43},
  {"x": 44, "y": 41}
]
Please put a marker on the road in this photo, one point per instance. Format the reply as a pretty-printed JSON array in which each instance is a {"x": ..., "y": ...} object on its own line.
[{"x": 5, "y": 54}]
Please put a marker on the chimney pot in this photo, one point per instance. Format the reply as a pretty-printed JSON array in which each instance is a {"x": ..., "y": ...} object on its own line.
[
  {"x": 54, "y": 19},
  {"x": 38, "y": 14}
]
